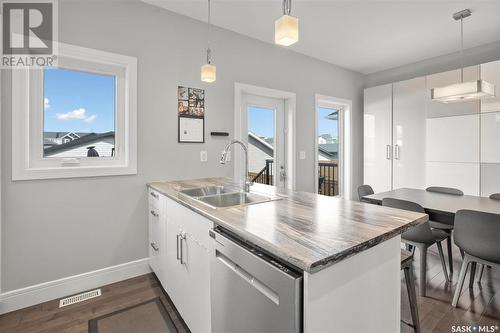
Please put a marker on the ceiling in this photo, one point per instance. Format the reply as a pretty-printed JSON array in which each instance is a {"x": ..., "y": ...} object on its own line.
[{"x": 366, "y": 36}]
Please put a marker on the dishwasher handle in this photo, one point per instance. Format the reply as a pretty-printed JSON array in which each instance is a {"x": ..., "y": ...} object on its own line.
[{"x": 249, "y": 278}]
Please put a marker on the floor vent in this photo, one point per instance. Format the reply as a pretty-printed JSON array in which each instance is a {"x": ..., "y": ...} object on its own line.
[{"x": 79, "y": 298}]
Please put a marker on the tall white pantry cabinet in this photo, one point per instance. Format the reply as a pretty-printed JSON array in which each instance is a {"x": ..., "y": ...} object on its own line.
[{"x": 411, "y": 141}]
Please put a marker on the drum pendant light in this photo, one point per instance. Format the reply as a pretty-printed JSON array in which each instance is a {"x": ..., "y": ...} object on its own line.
[{"x": 286, "y": 28}]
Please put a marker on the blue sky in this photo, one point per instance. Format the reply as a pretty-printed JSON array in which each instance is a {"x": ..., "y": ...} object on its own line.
[
  {"x": 261, "y": 122},
  {"x": 78, "y": 101}
]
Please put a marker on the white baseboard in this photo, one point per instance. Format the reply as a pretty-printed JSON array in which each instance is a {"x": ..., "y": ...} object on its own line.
[{"x": 43, "y": 292}]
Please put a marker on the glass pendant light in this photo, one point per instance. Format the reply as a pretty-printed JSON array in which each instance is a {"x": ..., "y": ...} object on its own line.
[
  {"x": 463, "y": 91},
  {"x": 208, "y": 71},
  {"x": 286, "y": 28}
]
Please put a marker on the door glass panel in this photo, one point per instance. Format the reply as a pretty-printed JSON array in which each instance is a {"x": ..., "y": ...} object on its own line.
[
  {"x": 261, "y": 144},
  {"x": 328, "y": 151}
]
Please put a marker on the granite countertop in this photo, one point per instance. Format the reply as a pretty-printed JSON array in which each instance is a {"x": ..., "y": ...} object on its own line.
[{"x": 305, "y": 230}]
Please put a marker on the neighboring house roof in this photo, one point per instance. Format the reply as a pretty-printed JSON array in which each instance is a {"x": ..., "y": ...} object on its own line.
[
  {"x": 333, "y": 116},
  {"x": 260, "y": 143},
  {"x": 326, "y": 136},
  {"x": 89, "y": 138},
  {"x": 329, "y": 149}
]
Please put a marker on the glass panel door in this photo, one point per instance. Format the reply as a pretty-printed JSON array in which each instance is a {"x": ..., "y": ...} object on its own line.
[
  {"x": 328, "y": 150},
  {"x": 265, "y": 138}
]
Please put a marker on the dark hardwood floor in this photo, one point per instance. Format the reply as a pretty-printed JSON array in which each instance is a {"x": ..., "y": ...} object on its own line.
[
  {"x": 479, "y": 305},
  {"x": 48, "y": 318}
]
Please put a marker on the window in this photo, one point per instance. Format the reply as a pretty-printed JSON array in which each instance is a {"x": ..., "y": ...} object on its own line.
[{"x": 75, "y": 120}]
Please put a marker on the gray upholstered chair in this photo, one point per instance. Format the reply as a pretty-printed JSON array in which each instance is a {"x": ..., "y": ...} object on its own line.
[
  {"x": 476, "y": 233},
  {"x": 447, "y": 227},
  {"x": 364, "y": 190},
  {"x": 495, "y": 196},
  {"x": 421, "y": 237}
]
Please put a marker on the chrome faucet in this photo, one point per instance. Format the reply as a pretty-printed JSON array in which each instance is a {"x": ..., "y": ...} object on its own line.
[{"x": 223, "y": 159}]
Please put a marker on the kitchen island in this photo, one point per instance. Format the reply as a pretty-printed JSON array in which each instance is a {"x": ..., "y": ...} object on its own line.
[{"x": 348, "y": 252}]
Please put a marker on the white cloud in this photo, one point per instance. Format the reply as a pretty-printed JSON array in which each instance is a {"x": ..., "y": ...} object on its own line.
[
  {"x": 77, "y": 114},
  {"x": 46, "y": 103}
]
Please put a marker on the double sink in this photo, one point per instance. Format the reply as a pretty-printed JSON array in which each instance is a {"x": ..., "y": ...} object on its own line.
[{"x": 222, "y": 196}]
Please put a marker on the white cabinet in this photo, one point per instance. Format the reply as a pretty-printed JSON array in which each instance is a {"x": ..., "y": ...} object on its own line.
[
  {"x": 187, "y": 265},
  {"x": 464, "y": 176},
  {"x": 378, "y": 137},
  {"x": 409, "y": 122},
  {"x": 156, "y": 232},
  {"x": 394, "y": 135},
  {"x": 453, "y": 139}
]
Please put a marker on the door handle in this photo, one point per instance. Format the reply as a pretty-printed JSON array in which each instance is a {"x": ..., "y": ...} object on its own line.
[
  {"x": 155, "y": 247},
  {"x": 177, "y": 247},
  {"x": 283, "y": 174},
  {"x": 155, "y": 214},
  {"x": 154, "y": 195},
  {"x": 396, "y": 152},
  {"x": 388, "y": 151}
]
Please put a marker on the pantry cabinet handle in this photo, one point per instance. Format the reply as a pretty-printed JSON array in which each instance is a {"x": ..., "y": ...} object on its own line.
[
  {"x": 388, "y": 152},
  {"x": 155, "y": 247},
  {"x": 177, "y": 247},
  {"x": 396, "y": 152},
  {"x": 155, "y": 214},
  {"x": 154, "y": 195}
]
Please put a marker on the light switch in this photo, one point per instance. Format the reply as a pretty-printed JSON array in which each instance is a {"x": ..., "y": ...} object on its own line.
[
  {"x": 302, "y": 155},
  {"x": 203, "y": 156}
]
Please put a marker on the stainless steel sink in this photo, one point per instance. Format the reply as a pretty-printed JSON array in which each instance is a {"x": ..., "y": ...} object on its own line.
[
  {"x": 235, "y": 199},
  {"x": 208, "y": 190}
]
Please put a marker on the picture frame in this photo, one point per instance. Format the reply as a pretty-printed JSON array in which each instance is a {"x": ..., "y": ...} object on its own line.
[{"x": 191, "y": 115}]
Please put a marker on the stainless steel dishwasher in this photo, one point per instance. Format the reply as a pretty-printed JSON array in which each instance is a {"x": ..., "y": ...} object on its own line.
[{"x": 250, "y": 291}]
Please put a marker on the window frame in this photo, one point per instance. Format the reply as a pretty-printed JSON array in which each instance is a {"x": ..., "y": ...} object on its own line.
[{"x": 28, "y": 161}]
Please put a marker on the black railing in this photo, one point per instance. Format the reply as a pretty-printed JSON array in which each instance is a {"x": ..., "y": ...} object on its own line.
[
  {"x": 265, "y": 176},
  {"x": 328, "y": 178}
]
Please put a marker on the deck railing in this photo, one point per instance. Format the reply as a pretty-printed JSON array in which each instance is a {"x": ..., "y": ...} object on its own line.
[{"x": 328, "y": 175}]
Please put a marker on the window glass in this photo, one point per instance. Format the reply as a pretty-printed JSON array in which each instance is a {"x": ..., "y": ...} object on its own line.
[
  {"x": 79, "y": 114},
  {"x": 261, "y": 138}
]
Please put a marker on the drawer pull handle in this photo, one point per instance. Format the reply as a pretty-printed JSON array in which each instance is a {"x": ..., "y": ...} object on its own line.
[
  {"x": 155, "y": 214},
  {"x": 154, "y": 195},
  {"x": 155, "y": 247}
]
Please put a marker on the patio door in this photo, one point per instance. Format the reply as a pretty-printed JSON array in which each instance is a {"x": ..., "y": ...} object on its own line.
[{"x": 263, "y": 123}]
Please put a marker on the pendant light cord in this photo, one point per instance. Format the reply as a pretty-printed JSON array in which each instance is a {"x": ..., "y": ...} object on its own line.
[
  {"x": 287, "y": 7},
  {"x": 209, "y": 51},
  {"x": 461, "y": 49}
]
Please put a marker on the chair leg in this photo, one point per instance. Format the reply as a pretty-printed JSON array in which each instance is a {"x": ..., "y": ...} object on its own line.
[
  {"x": 443, "y": 261},
  {"x": 412, "y": 295},
  {"x": 423, "y": 269},
  {"x": 462, "y": 253},
  {"x": 450, "y": 254},
  {"x": 481, "y": 274},
  {"x": 460, "y": 283},
  {"x": 472, "y": 274}
]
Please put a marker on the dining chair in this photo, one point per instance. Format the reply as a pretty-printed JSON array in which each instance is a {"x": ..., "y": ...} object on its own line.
[
  {"x": 495, "y": 196},
  {"x": 421, "y": 237},
  {"x": 476, "y": 233},
  {"x": 407, "y": 267},
  {"x": 364, "y": 190},
  {"x": 447, "y": 227}
]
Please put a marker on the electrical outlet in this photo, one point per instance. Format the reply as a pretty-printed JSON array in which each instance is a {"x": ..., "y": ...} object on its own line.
[
  {"x": 302, "y": 155},
  {"x": 203, "y": 156}
]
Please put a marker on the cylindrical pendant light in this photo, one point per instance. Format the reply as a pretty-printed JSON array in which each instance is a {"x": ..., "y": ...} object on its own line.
[
  {"x": 286, "y": 28},
  {"x": 208, "y": 71}
]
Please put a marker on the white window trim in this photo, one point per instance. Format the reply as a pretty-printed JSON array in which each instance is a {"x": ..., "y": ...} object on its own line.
[{"x": 27, "y": 162}]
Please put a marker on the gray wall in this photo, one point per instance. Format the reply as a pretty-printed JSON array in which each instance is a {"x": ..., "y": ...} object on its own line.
[
  {"x": 471, "y": 57},
  {"x": 58, "y": 228}
]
